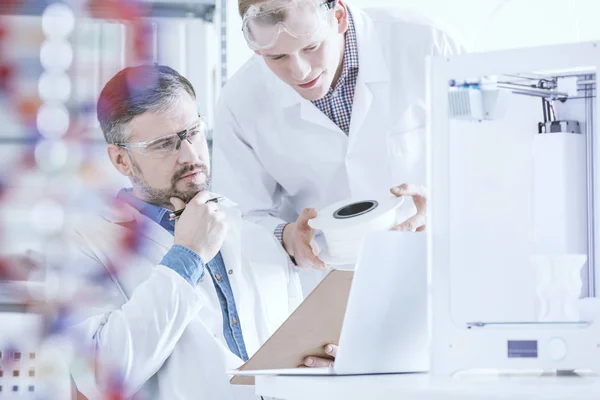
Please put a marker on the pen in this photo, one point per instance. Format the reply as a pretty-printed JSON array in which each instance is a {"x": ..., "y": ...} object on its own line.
[{"x": 175, "y": 214}]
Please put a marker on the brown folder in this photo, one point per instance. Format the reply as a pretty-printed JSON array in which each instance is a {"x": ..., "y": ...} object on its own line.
[{"x": 315, "y": 323}]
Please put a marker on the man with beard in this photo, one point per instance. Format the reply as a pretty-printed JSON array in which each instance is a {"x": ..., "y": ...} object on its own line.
[{"x": 183, "y": 300}]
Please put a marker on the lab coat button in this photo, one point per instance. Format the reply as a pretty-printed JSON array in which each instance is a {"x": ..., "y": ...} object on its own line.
[{"x": 230, "y": 272}]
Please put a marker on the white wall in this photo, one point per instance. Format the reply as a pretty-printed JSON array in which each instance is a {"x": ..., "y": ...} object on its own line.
[
  {"x": 495, "y": 24},
  {"x": 237, "y": 51}
]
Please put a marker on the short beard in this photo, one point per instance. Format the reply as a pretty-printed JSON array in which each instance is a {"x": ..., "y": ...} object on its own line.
[{"x": 162, "y": 197}]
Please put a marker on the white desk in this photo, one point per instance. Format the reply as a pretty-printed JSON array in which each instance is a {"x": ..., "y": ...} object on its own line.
[{"x": 425, "y": 387}]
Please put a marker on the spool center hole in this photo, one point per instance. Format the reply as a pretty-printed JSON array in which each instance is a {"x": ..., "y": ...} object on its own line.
[{"x": 355, "y": 209}]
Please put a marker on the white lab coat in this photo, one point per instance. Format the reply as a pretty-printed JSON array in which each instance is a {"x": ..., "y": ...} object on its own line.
[
  {"x": 165, "y": 336},
  {"x": 275, "y": 153}
]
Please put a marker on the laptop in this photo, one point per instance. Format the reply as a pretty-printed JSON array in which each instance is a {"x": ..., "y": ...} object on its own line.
[{"x": 385, "y": 326}]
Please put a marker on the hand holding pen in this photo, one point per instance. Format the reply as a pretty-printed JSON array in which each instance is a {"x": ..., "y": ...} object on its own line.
[
  {"x": 200, "y": 226},
  {"x": 175, "y": 214}
]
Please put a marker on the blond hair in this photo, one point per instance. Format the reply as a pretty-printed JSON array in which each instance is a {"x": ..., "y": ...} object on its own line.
[{"x": 244, "y": 5}]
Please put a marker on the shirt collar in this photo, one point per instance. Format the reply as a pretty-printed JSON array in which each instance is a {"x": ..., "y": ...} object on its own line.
[
  {"x": 350, "y": 54},
  {"x": 351, "y": 49},
  {"x": 156, "y": 213}
]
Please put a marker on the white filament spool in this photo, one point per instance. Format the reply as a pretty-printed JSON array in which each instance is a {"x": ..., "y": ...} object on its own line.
[{"x": 344, "y": 225}]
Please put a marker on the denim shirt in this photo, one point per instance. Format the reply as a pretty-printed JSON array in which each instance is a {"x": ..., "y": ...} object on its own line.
[{"x": 192, "y": 268}]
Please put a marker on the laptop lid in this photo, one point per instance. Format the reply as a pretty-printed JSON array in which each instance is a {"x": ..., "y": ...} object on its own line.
[{"x": 385, "y": 329}]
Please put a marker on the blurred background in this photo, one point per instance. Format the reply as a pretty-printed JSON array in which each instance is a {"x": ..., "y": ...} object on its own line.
[
  {"x": 67, "y": 60},
  {"x": 55, "y": 56}
]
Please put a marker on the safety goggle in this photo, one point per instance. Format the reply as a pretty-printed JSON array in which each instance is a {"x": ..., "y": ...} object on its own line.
[
  {"x": 169, "y": 144},
  {"x": 263, "y": 23}
]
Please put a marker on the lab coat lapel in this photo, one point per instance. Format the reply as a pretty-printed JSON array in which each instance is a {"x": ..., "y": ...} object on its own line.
[
  {"x": 231, "y": 249},
  {"x": 155, "y": 232},
  {"x": 373, "y": 74},
  {"x": 311, "y": 113},
  {"x": 231, "y": 252},
  {"x": 149, "y": 240},
  {"x": 125, "y": 215},
  {"x": 363, "y": 98}
]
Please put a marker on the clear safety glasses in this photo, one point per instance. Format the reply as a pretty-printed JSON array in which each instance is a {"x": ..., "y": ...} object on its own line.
[
  {"x": 264, "y": 22},
  {"x": 169, "y": 144}
]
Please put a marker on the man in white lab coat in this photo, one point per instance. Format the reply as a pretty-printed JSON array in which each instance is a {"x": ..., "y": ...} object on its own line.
[
  {"x": 178, "y": 302},
  {"x": 331, "y": 107}
]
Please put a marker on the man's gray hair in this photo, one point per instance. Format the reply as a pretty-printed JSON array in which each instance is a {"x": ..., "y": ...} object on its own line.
[{"x": 134, "y": 91}]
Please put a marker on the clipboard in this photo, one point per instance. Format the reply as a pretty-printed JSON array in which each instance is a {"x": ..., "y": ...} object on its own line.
[{"x": 315, "y": 323}]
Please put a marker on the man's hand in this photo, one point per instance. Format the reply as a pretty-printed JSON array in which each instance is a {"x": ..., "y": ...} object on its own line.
[
  {"x": 201, "y": 227},
  {"x": 319, "y": 362},
  {"x": 417, "y": 222},
  {"x": 298, "y": 241}
]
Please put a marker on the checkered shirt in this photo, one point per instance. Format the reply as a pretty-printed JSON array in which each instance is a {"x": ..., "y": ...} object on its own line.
[{"x": 337, "y": 103}]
